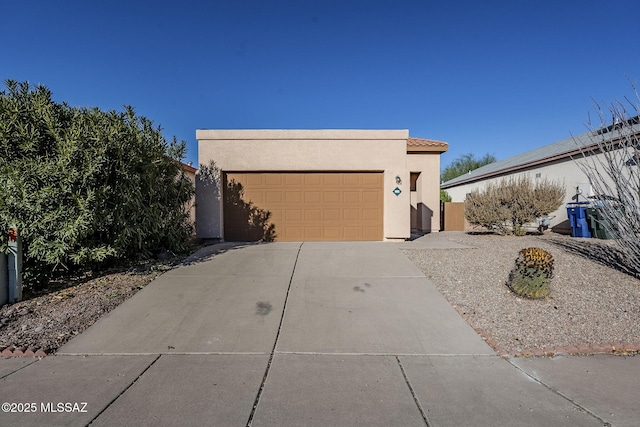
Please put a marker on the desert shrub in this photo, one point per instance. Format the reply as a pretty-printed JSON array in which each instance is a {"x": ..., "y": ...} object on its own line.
[
  {"x": 85, "y": 186},
  {"x": 507, "y": 206},
  {"x": 485, "y": 209},
  {"x": 611, "y": 155},
  {"x": 532, "y": 273}
]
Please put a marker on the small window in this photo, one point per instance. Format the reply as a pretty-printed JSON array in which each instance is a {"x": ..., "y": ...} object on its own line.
[{"x": 414, "y": 180}]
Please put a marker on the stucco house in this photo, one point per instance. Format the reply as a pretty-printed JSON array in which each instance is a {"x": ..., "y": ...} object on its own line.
[
  {"x": 317, "y": 185},
  {"x": 558, "y": 161},
  {"x": 190, "y": 172}
]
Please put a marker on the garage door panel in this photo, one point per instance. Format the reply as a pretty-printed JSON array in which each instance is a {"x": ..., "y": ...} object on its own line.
[
  {"x": 252, "y": 180},
  {"x": 292, "y": 234},
  {"x": 313, "y": 196},
  {"x": 313, "y": 233},
  {"x": 332, "y": 214},
  {"x": 293, "y": 196},
  {"x": 255, "y": 196},
  {"x": 371, "y": 215},
  {"x": 351, "y": 196},
  {"x": 313, "y": 215},
  {"x": 313, "y": 180},
  {"x": 332, "y": 233},
  {"x": 351, "y": 214},
  {"x": 305, "y": 206},
  {"x": 370, "y": 233},
  {"x": 274, "y": 180},
  {"x": 293, "y": 214},
  {"x": 332, "y": 180},
  {"x": 294, "y": 180},
  {"x": 352, "y": 233},
  {"x": 277, "y": 215},
  {"x": 331, "y": 197},
  {"x": 371, "y": 196},
  {"x": 372, "y": 180},
  {"x": 273, "y": 196},
  {"x": 351, "y": 180}
]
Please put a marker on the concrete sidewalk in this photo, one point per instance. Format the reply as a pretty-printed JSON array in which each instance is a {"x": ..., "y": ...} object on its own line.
[{"x": 291, "y": 334}]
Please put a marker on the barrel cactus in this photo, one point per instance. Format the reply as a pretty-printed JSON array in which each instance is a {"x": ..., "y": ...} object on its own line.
[{"x": 532, "y": 273}]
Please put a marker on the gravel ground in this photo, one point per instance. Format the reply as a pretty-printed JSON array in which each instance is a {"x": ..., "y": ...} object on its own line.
[{"x": 593, "y": 306}]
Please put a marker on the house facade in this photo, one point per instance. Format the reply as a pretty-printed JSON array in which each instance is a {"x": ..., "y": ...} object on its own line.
[{"x": 317, "y": 185}]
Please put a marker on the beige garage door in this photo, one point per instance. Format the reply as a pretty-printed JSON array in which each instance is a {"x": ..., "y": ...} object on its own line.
[{"x": 309, "y": 206}]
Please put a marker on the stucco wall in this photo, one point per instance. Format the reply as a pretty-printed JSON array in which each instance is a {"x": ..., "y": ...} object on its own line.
[
  {"x": 566, "y": 171},
  {"x": 191, "y": 204},
  {"x": 427, "y": 200},
  {"x": 306, "y": 150}
]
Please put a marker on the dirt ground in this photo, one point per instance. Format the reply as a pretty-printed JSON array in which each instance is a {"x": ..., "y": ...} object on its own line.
[{"x": 48, "y": 318}]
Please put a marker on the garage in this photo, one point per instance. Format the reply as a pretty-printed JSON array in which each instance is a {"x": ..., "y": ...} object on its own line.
[
  {"x": 316, "y": 184},
  {"x": 303, "y": 206}
]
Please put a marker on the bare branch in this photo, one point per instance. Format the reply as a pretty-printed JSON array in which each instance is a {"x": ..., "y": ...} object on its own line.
[{"x": 611, "y": 161}]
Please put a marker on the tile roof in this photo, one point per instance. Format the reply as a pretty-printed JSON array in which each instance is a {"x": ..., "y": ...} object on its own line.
[{"x": 420, "y": 144}]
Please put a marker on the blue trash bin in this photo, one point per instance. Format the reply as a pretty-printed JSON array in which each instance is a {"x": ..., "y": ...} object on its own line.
[{"x": 577, "y": 213}]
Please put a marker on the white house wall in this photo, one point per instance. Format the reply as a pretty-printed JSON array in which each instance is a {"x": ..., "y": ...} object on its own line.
[{"x": 565, "y": 171}]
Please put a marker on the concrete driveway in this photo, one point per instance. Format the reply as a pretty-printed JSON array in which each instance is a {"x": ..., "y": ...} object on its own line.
[{"x": 298, "y": 334}]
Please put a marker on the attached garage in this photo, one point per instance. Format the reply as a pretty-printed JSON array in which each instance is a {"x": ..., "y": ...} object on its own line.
[
  {"x": 309, "y": 206},
  {"x": 316, "y": 185}
]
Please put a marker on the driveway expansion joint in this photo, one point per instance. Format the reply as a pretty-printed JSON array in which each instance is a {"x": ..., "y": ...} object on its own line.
[
  {"x": 124, "y": 391},
  {"x": 19, "y": 369},
  {"x": 559, "y": 393},
  {"x": 423, "y": 413},
  {"x": 173, "y": 353},
  {"x": 275, "y": 344},
  {"x": 320, "y": 353}
]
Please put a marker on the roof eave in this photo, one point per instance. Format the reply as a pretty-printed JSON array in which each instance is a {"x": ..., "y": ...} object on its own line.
[
  {"x": 413, "y": 149},
  {"x": 187, "y": 168},
  {"x": 522, "y": 166}
]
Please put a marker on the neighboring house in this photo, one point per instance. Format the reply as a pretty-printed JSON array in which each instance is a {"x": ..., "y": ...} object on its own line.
[
  {"x": 190, "y": 172},
  {"x": 297, "y": 185},
  {"x": 557, "y": 161}
]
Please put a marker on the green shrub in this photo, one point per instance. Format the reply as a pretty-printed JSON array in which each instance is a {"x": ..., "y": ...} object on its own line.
[
  {"x": 87, "y": 187},
  {"x": 444, "y": 196},
  {"x": 532, "y": 273}
]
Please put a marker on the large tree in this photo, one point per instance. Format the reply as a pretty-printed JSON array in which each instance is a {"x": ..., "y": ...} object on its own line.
[
  {"x": 464, "y": 164},
  {"x": 86, "y": 186}
]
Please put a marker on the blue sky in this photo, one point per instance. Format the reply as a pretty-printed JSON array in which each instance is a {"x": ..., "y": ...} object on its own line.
[{"x": 493, "y": 76}]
